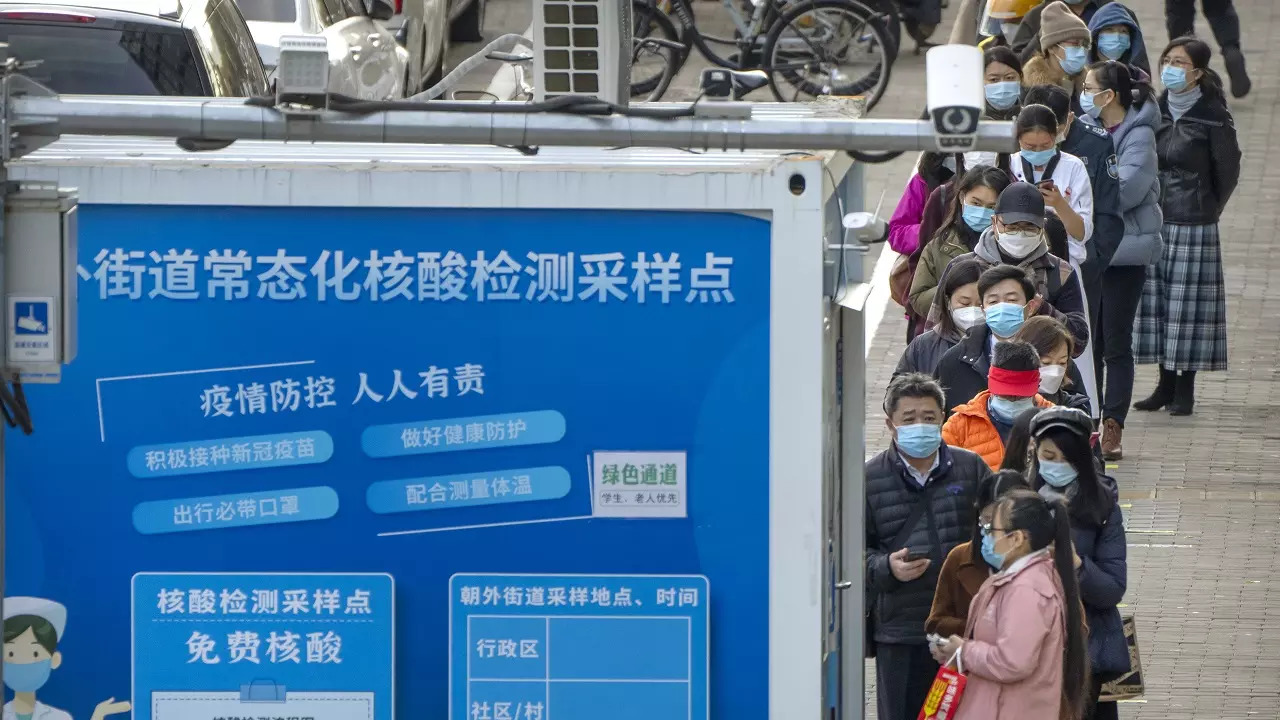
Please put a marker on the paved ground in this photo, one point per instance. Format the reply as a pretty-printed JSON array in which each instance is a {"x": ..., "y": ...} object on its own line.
[{"x": 1202, "y": 494}]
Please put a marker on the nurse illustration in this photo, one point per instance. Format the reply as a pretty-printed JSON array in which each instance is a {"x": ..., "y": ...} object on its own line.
[{"x": 32, "y": 629}]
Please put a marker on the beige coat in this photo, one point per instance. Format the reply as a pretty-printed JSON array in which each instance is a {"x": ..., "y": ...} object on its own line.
[{"x": 1041, "y": 70}]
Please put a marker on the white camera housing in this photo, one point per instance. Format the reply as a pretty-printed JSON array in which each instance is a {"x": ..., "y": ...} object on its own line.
[{"x": 953, "y": 89}]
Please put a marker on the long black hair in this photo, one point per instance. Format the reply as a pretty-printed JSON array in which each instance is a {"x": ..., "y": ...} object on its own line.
[
  {"x": 980, "y": 176},
  {"x": 955, "y": 276},
  {"x": 1046, "y": 523},
  {"x": 990, "y": 488},
  {"x": 1093, "y": 503},
  {"x": 1200, "y": 54},
  {"x": 1017, "y": 449},
  {"x": 1115, "y": 76}
]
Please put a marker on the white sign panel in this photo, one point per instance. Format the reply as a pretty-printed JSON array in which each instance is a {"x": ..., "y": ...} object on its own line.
[
  {"x": 212, "y": 705},
  {"x": 640, "y": 484},
  {"x": 31, "y": 329}
]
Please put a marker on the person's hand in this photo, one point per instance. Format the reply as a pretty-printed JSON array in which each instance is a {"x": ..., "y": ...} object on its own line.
[
  {"x": 1075, "y": 557},
  {"x": 1033, "y": 307},
  {"x": 111, "y": 707},
  {"x": 904, "y": 570},
  {"x": 1052, "y": 196},
  {"x": 947, "y": 650}
]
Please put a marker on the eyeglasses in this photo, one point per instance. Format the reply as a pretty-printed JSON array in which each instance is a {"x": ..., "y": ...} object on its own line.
[{"x": 987, "y": 527}]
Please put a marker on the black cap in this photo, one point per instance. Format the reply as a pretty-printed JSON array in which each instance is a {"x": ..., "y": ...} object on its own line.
[
  {"x": 1064, "y": 418},
  {"x": 1021, "y": 202}
]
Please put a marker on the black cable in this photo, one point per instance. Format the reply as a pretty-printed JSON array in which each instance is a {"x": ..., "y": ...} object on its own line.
[
  {"x": 569, "y": 104},
  {"x": 874, "y": 158}
]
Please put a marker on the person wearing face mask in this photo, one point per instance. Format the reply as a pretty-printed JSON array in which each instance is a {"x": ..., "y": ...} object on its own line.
[
  {"x": 1180, "y": 21},
  {"x": 1117, "y": 36},
  {"x": 1062, "y": 178},
  {"x": 32, "y": 629},
  {"x": 1028, "y": 41},
  {"x": 983, "y": 424},
  {"x": 1063, "y": 469},
  {"x": 1063, "y": 51},
  {"x": 1057, "y": 373},
  {"x": 959, "y": 308},
  {"x": 1004, "y": 291},
  {"x": 969, "y": 564},
  {"x": 988, "y": 23},
  {"x": 1024, "y": 649},
  {"x": 1182, "y": 317},
  {"x": 973, "y": 202},
  {"x": 1123, "y": 107},
  {"x": 919, "y": 505},
  {"x": 1002, "y": 76},
  {"x": 932, "y": 170}
]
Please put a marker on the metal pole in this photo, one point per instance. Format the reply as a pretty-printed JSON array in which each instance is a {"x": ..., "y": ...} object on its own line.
[{"x": 47, "y": 117}]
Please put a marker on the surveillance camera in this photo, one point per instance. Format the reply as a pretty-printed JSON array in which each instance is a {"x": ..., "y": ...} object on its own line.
[{"x": 953, "y": 88}]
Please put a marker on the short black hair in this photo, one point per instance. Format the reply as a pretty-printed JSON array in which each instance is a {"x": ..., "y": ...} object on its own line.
[
  {"x": 1015, "y": 355},
  {"x": 1003, "y": 55},
  {"x": 1051, "y": 96},
  {"x": 46, "y": 636},
  {"x": 1033, "y": 117},
  {"x": 997, "y": 274},
  {"x": 914, "y": 385}
]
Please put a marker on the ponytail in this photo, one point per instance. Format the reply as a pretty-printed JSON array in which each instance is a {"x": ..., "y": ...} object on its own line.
[
  {"x": 1075, "y": 656},
  {"x": 1048, "y": 522}
]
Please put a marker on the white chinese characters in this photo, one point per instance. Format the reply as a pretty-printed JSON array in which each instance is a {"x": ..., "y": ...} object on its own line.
[
  {"x": 556, "y": 596},
  {"x": 289, "y": 395},
  {"x": 449, "y": 276},
  {"x": 244, "y": 646}
]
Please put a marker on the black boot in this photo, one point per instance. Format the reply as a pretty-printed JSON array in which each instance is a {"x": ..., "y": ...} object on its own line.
[
  {"x": 1163, "y": 394},
  {"x": 1184, "y": 394}
]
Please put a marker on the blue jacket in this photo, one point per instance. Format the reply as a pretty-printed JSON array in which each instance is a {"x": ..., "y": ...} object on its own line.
[
  {"x": 1139, "y": 171},
  {"x": 1114, "y": 13},
  {"x": 1104, "y": 576}
]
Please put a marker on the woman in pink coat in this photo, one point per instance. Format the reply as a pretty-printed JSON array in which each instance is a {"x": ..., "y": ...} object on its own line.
[{"x": 1025, "y": 648}]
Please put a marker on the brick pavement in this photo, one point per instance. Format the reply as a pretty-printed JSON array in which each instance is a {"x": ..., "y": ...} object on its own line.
[{"x": 1201, "y": 495}]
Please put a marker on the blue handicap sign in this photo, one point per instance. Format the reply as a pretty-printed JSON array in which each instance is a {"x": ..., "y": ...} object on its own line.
[
  {"x": 261, "y": 637},
  {"x": 31, "y": 318},
  {"x": 578, "y": 647}
]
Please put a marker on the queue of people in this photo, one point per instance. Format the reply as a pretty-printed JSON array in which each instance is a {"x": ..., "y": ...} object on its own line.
[{"x": 1037, "y": 280}]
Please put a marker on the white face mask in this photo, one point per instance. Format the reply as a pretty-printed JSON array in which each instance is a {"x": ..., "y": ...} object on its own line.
[
  {"x": 967, "y": 317},
  {"x": 974, "y": 158},
  {"x": 1051, "y": 377},
  {"x": 1018, "y": 245}
]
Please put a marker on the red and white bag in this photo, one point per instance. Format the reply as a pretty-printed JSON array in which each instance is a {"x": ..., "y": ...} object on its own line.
[{"x": 943, "y": 700}]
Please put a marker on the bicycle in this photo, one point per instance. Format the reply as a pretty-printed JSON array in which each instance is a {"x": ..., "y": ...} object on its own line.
[{"x": 804, "y": 44}]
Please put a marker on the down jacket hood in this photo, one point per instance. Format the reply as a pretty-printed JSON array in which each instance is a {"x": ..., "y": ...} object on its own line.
[{"x": 1113, "y": 13}]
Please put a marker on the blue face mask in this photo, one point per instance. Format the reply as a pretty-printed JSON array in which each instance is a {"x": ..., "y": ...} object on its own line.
[
  {"x": 1009, "y": 410},
  {"x": 1058, "y": 474},
  {"x": 1004, "y": 319},
  {"x": 919, "y": 441},
  {"x": 1174, "y": 78},
  {"x": 993, "y": 558},
  {"x": 1003, "y": 95},
  {"x": 1038, "y": 158},
  {"x": 1073, "y": 59},
  {"x": 977, "y": 218},
  {"x": 1091, "y": 107},
  {"x": 1113, "y": 45},
  {"x": 27, "y": 677}
]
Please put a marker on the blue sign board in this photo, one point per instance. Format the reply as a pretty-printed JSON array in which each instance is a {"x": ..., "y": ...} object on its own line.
[
  {"x": 32, "y": 317},
  {"x": 266, "y": 394},
  {"x": 261, "y": 638},
  {"x": 578, "y": 647}
]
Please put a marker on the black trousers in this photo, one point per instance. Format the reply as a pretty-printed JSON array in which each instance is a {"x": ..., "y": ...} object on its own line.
[
  {"x": 1121, "y": 295},
  {"x": 1091, "y": 278},
  {"x": 904, "y": 674},
  {"x": 1097, "y": 710},
  {"x": 1180, "y": 19}
]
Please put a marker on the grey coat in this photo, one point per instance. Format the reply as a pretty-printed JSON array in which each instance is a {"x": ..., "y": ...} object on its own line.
[{"x": 1138, "y": 167}]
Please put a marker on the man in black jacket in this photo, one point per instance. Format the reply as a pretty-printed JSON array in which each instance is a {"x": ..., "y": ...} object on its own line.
[
  {"x": 1094, "y": 146},
  {"x": 920, "y": 496}
]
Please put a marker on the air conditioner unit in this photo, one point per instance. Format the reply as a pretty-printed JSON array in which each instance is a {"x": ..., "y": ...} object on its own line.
[{"x": 584, "y": 48}]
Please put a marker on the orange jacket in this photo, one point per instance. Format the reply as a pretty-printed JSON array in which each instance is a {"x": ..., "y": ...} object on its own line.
[{"x": 970, "y": 427}]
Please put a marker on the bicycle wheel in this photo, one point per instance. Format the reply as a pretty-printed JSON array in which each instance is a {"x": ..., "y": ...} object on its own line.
[
  {"x": 827, "y": 47},
  {"x": 657, "y": 51}
]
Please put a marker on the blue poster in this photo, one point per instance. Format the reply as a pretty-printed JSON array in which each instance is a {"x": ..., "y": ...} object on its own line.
[
  {"x": 379, "y": 393},
  {"x": 576, "y": 647},
  {"x": 217, "y": 645}
]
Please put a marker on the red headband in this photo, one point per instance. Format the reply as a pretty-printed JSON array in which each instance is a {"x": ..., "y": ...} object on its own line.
[{"x": 1019, "y": 383}]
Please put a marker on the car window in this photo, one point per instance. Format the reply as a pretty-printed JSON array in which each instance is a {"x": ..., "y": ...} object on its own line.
[
  {"x": 79, "y": 58},
  {"x": 235, "y": 69},
  {"x": 354, "y": 8},
  {"x": 281, "y": 11}
]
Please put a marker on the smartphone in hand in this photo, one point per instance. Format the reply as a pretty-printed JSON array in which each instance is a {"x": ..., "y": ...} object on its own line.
[{"x": 914, "y": 555}]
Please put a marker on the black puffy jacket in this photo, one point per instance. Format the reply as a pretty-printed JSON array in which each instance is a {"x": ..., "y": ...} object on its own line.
[
  {"x": 1199, "y": 162},
  {"x": 901, "y": 608}
]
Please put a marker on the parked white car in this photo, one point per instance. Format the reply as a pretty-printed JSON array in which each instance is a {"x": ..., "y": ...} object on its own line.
[{"x": 365, "y": 61}]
